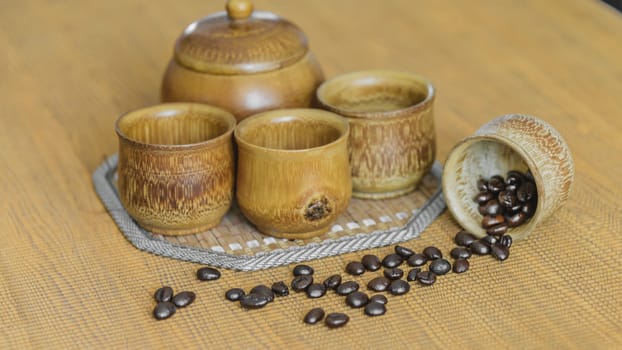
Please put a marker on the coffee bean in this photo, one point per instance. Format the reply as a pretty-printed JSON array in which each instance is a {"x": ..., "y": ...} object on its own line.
[
  {"x": 432, "y": 253},
  {"x": 417, "y": 260},
  {"x": 506, "y": 241},
  {"x": 393, "y": 274},
  {"x": 516, "y": 219},
  {"x": 412, "y": 274},
  {"x": 482, "y": 209},
  {"x": 493, "y": 208},
  {"x": 392, "y": 260},
  {"x": 316, "y": 290},
  {"x": 489, "y": 240},
  {"x": 461, "y": 265},
  {"x": 526, "y": 192},
  {"x": 357, "y": 299},
  {"x": 496, "y": 184},
  {"x": 426, "y": 278},
  {"x": 507, "y": 199},
  {"x": 280, "y": 289},
  {"x": 375, "y": 309},
  {"x": 511, "y": 187},
  {"x": 164, "y": 310},
  {"x": 300, "y": 283},
  {"x": 378, "y": 298},
  {"x": 490, "y": 221},
  {"x": 347, "y": 287},
  {"x": 399, "y": 287},
  {"x": 497, "y": 229},
  {"x": 482, "y": 185},
  {"x": 332, "y": 282},
  {"x": 483, "y": 197},
  {"x": 314, "y": 316},
  {"x": 234, "y": 294},
  {"x": 355, "y": 268},
  {"x": 460, "y": 252},
  {"x": 499, "y": 252},
  {"x": 253, "y": 301},
  {"x": 529, "y": 176},
  {"x": 183, "y": 299},
  {"x": 208, "y": 274},
  {"x": 529, "y": 208},
  {"x": 371, "y": 262},
  {"x": 263, "y": 290},
  {"x": 301, "y": 270},
  {"x": 440, "y": 266},
  {"x": 163, "y": 294},
  {"x": 336, "y": 320},
  {"x": 378, "y": 284},
  {"x": 464, "y": 238},
  {"x": 403, "y": 251},
  {"x": 479, "y": 248}
]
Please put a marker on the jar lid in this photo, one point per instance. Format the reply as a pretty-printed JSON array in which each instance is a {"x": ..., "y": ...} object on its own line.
[{"x": 240, "y": 41}]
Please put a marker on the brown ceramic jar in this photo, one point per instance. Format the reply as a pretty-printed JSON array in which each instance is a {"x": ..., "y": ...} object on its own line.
[{"x": 244, "y": 61}]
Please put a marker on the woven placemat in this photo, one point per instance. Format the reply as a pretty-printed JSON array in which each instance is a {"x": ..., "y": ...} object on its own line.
[{"x": 236, "y": 244}]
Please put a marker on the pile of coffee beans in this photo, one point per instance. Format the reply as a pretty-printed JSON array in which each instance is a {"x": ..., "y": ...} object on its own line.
[
  {"x": 506, "y": 203},
  {"x": 168, "y": 303}
]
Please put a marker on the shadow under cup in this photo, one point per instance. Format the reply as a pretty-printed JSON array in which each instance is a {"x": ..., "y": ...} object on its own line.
[
  {"x": 392, "y": 137},
  {"x": 176, "y": 166}
]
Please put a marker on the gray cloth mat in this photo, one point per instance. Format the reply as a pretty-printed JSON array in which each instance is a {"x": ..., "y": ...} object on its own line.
[{"x": 103, "y": 180}]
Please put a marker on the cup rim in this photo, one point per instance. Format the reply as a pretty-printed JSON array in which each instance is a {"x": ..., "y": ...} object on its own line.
[
  {"x": 183, "y": 107},
  {"x": 431, "y": 93},
  {"x": 291, "y": 112}
]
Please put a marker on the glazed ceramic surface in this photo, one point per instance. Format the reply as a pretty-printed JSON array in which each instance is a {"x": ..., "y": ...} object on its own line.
[
  {"x": 176, "y": 166},
  {"x": 293, "y": 176},
  {"x": 511, "y": 142},
  {"x": 392, "y": 137}
]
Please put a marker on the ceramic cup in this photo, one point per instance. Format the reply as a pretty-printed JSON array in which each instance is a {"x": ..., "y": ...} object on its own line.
[
  {"x": 293, "y": 176},
  {"x": 511, "y": 142},
  {"x": 176, "y": 166},
  {"x": 392, "y": 138}
]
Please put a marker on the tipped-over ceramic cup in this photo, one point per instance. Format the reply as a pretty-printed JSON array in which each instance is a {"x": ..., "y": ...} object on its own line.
[
  {"x": 511, "y": 142},
  {"x": 176, "y": 166},
  {"x": 293, "y": 176},
  {"x": 392, "y": 138}
]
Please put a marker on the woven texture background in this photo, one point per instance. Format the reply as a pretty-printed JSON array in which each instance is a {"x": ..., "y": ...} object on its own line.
[{"x": 69, "y": 279}]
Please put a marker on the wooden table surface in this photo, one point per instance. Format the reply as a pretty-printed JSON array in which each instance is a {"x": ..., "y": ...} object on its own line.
[{"x": 68, "y": 278}]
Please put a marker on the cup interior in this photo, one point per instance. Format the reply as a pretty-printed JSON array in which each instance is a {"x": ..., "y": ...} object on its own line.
[
  {"x": 175, "y": 124},
  {"x": 374, "y": 92},
  {"x": 291, "y": 130}
]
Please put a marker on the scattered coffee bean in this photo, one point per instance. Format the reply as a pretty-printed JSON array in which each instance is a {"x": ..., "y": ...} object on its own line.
[
  {"x": 497, "y": 229},
  {"x": 507, "y": 199},
  {"x": 526, "y": 192},
  {"x": 164, "y": 310},
  {"x": 496, "y": 184},
  {"x": 280, "y": 289},
  {"x": 432, "y": 253},
  {"x": 347, "y": 287},
  {"x": 499, "y": 252},
  {"x": 399, "y": 287},
  {"x": 357, "y": 299},
  {"x": 208, "y": 274},
  {"x": 253, "y": 301},
  {"x": 163, "y": 294},
  {"x": 460, "y": 252},
  {"x": 314, "y": 316},
  {"x": 263, "y": 290},
  {"x": 332, "y": 282},
  {"x": 316, "y": 290},
  {"x": 464, "y": 238},
  {"x": 300, "y": 283},
  {"x": 336, "y": 320},
  {"x": 183, "y": 299},
  {"x": 417, "y": 260},
  {"x": 479, "y": 248},
  {"x": 506, "y": 241},
  {"x": 355, "y": 268},
  {"x": 392, "y": 260},
  {"x": 371, "y": 262},
  {"x": 490, "y": 221},
  {"x": 461, "y": 265},
  {"x": 393, "y": 274},
  {"x": 440, "y": 266},
  {"x": 378, "y": 298},
  {"x": 483, "y": 197},
  {"x": 403, "y": 251},
  {"x": 234, "y": 294},
  {"x": 378, "y": 284},
  {"x": 482, "y": 185},
  {"x": 412, "y": 274},
  {"x": 493, "y": 208},
  {"x": 426, "y": 278},
  {"x": 375, "y": 309},
  {"x": 301, "y": 270},
  {"x": 516, "y": 219},
  {"x": 488, "y": 240}
]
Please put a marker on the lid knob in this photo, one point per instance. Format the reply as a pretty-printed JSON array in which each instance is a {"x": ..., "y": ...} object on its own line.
[{"x": 239, "y": 9}]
